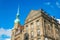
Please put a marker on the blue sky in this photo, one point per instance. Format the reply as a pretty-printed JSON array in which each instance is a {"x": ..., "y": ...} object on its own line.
[{"x": 8, "y": 10}]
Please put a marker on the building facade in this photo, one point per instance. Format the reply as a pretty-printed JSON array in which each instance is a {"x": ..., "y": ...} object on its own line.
[{"x": 38, "y": 26}]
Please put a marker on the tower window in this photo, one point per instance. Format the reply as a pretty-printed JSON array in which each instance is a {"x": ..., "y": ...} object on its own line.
[{"x": 17, "y": 31}]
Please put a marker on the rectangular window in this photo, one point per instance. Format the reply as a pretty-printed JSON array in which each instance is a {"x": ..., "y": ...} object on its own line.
[
  {"x": 32, "y": 34},
  {"x": 32, "y": 26},
  {"x": 38, "y": 32},
  {"x": 38, "y": 23},
  {"x": 49, "y": 26},
  {"x": 26, "y": 27}
]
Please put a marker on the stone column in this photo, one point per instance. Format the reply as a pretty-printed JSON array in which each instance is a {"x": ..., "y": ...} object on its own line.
[
  {"x": 54, "y": 31},
  {"x": 42, "y": 28}
]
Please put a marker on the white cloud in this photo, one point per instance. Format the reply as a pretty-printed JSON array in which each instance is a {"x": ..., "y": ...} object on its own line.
[
  {"x": 51, "y": 5},
  {"x": 47, "y": 3},
  {"x": 58, "y": 4},
  {"x": 6, "y": 32},
  {"x": 7, "y": 39},
  {"x": 58, "y": 20}
]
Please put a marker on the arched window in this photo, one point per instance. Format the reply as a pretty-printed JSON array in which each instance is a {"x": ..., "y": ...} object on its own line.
[{"x": 26, "y": 36}]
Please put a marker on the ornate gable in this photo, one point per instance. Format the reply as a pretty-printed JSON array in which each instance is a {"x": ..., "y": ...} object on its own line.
[{"x": 32, "y": 13}]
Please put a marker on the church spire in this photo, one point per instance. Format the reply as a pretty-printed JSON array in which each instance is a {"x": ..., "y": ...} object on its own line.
[{"x": 17, "y": 17}]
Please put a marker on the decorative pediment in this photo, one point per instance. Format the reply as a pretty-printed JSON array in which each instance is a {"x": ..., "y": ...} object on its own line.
[{"x": 32, "y": 13}]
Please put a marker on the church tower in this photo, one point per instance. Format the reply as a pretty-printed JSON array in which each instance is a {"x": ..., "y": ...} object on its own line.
[
  {"x": 17, "y": 30},
  {"x": 17, "y": 20}
]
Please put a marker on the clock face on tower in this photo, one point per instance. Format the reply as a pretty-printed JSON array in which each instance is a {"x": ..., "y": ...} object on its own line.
[{"x": 26, "y": 36}]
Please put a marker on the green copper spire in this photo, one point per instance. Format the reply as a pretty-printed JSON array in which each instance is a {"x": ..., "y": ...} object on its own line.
[{"x": 17, "y": 17}]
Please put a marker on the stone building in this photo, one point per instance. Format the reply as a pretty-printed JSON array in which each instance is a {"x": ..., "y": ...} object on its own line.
[{"x": 38, "y": 26}]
